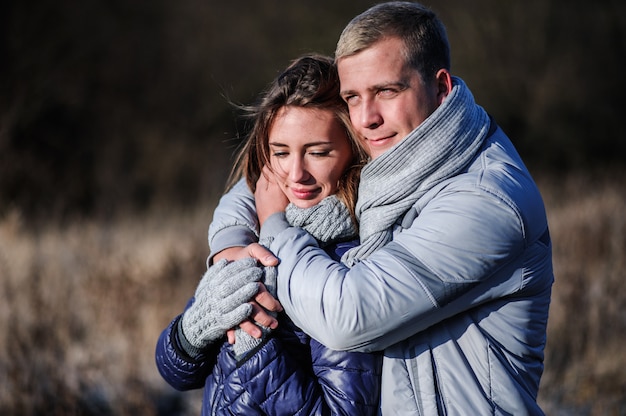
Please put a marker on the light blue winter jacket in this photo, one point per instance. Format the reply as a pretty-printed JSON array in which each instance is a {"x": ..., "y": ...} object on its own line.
[{"x": 462, "y": 320}]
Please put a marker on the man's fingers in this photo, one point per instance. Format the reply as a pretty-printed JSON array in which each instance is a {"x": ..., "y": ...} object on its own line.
[
  {"x": 266, "y": 300},
  {"x": 230, "y": 334},
  {"x": 232, "y": 253},
  {"x": 254, "y": 250},
  {"x": 262, "y": 317},
  {"x": 249, "y": 327},
  {"x": 262, "y": 254}
]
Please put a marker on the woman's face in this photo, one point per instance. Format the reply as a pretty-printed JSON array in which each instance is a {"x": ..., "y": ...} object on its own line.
[{"x": 309, "y": 151}]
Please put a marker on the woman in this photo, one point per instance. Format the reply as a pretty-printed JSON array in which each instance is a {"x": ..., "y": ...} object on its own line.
[{"x": 301, "y": 133}]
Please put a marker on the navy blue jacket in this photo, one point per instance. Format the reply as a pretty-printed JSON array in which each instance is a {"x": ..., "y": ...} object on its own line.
[{"x": 288, "y": 374}]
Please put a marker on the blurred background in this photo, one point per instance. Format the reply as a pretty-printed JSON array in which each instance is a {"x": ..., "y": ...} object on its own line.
[{"x": 117, "y": 129}]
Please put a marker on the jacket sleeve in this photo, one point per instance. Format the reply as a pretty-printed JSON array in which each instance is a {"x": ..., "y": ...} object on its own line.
[
  {"x": 178, "y": 369},
  {"x": 452, "y": 257},
  {"x": 235, "y": 223}
]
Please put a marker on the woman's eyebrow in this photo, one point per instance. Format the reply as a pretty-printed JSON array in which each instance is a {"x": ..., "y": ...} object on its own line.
[{"x": 309, "y": 144}]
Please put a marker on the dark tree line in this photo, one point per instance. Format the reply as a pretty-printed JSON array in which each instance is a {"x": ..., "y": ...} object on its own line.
[{"x": 113, "y": 106}]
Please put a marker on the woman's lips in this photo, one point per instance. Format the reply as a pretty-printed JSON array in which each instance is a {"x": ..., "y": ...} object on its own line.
[{"x": 304, "y": 193}]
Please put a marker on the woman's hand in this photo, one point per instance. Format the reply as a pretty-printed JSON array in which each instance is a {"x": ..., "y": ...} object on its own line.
[
  {"x": 269, "y": 196},
  {"x": 259, "y": 315},
  {"x": 263, "y": 301},
  {"x": 269, "y": 199}
]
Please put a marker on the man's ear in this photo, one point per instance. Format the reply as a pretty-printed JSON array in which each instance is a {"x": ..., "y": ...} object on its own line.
[{"x": 444, "y": 84}]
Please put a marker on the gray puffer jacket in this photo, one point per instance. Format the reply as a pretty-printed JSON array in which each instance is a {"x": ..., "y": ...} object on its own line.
[{"x": 458, "y": 300}]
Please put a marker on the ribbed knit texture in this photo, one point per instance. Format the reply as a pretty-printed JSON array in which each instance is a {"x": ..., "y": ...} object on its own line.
[
  {"x": 220, "y": 303},
  {"x": 328, "y": 221},
  {"x": 436, "y": 150}
]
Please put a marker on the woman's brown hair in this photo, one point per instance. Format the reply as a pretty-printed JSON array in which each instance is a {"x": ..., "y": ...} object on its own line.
[{"x": 310, "y": 81}]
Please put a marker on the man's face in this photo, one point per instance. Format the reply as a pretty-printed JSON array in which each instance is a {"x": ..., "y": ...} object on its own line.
[{"x": 386, "y": 98}]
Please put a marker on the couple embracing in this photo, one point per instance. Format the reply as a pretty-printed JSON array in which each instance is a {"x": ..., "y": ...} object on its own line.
[{"x": 382, "y": 250}]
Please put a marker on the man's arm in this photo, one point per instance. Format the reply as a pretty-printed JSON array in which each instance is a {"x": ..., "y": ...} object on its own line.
[
  {"x": 235, "y": 224},
  {"x": 444, "y": 263},
  {"x": 233, "y": 235}
]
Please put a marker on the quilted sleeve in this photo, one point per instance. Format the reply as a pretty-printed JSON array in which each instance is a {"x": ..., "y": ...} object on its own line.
[{"x": 178, "y": 369}]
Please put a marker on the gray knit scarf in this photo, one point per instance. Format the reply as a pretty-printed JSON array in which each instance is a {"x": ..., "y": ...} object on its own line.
[
  {"x": 328, "y": 222},
  {"x": 436, "y": 150}
]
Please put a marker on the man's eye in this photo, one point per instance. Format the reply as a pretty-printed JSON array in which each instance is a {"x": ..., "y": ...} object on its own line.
[
  {"x": 351, "y": 100},
  {"x": 387, "y": 92}
]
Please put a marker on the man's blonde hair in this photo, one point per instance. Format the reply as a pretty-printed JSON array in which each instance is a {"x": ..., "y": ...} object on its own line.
[{"x": 424, "y": 35}]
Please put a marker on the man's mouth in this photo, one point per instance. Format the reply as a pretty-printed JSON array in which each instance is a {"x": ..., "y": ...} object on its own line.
[{"x": 380, "y": 139}]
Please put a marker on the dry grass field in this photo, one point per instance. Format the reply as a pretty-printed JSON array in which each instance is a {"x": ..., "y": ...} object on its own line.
[{"x": 81, "y": 307}]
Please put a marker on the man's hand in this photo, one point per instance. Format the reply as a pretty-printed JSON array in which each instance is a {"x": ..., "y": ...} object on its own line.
[
  {"x": 254, "y": 250},
  {"x": 269, "y": 199},
  {"x": 263, "y": 297},
  {"x": 259, "y": 315},
  {"x": 269, "y": 196},
  {"x": 263, "y": 301}
]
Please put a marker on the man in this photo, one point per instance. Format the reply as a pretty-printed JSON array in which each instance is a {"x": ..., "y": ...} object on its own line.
[{"x": 454, "y": 272}]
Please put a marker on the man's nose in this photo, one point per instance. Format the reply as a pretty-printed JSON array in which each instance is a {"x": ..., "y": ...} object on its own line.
[{"x": 370, "y": 115}]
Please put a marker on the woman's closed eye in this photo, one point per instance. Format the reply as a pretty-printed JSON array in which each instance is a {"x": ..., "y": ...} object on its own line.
[{"x": 319, "y": 153}]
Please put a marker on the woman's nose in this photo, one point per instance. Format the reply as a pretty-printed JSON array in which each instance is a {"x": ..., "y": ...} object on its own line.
[{"x": 297, "y": 170}]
